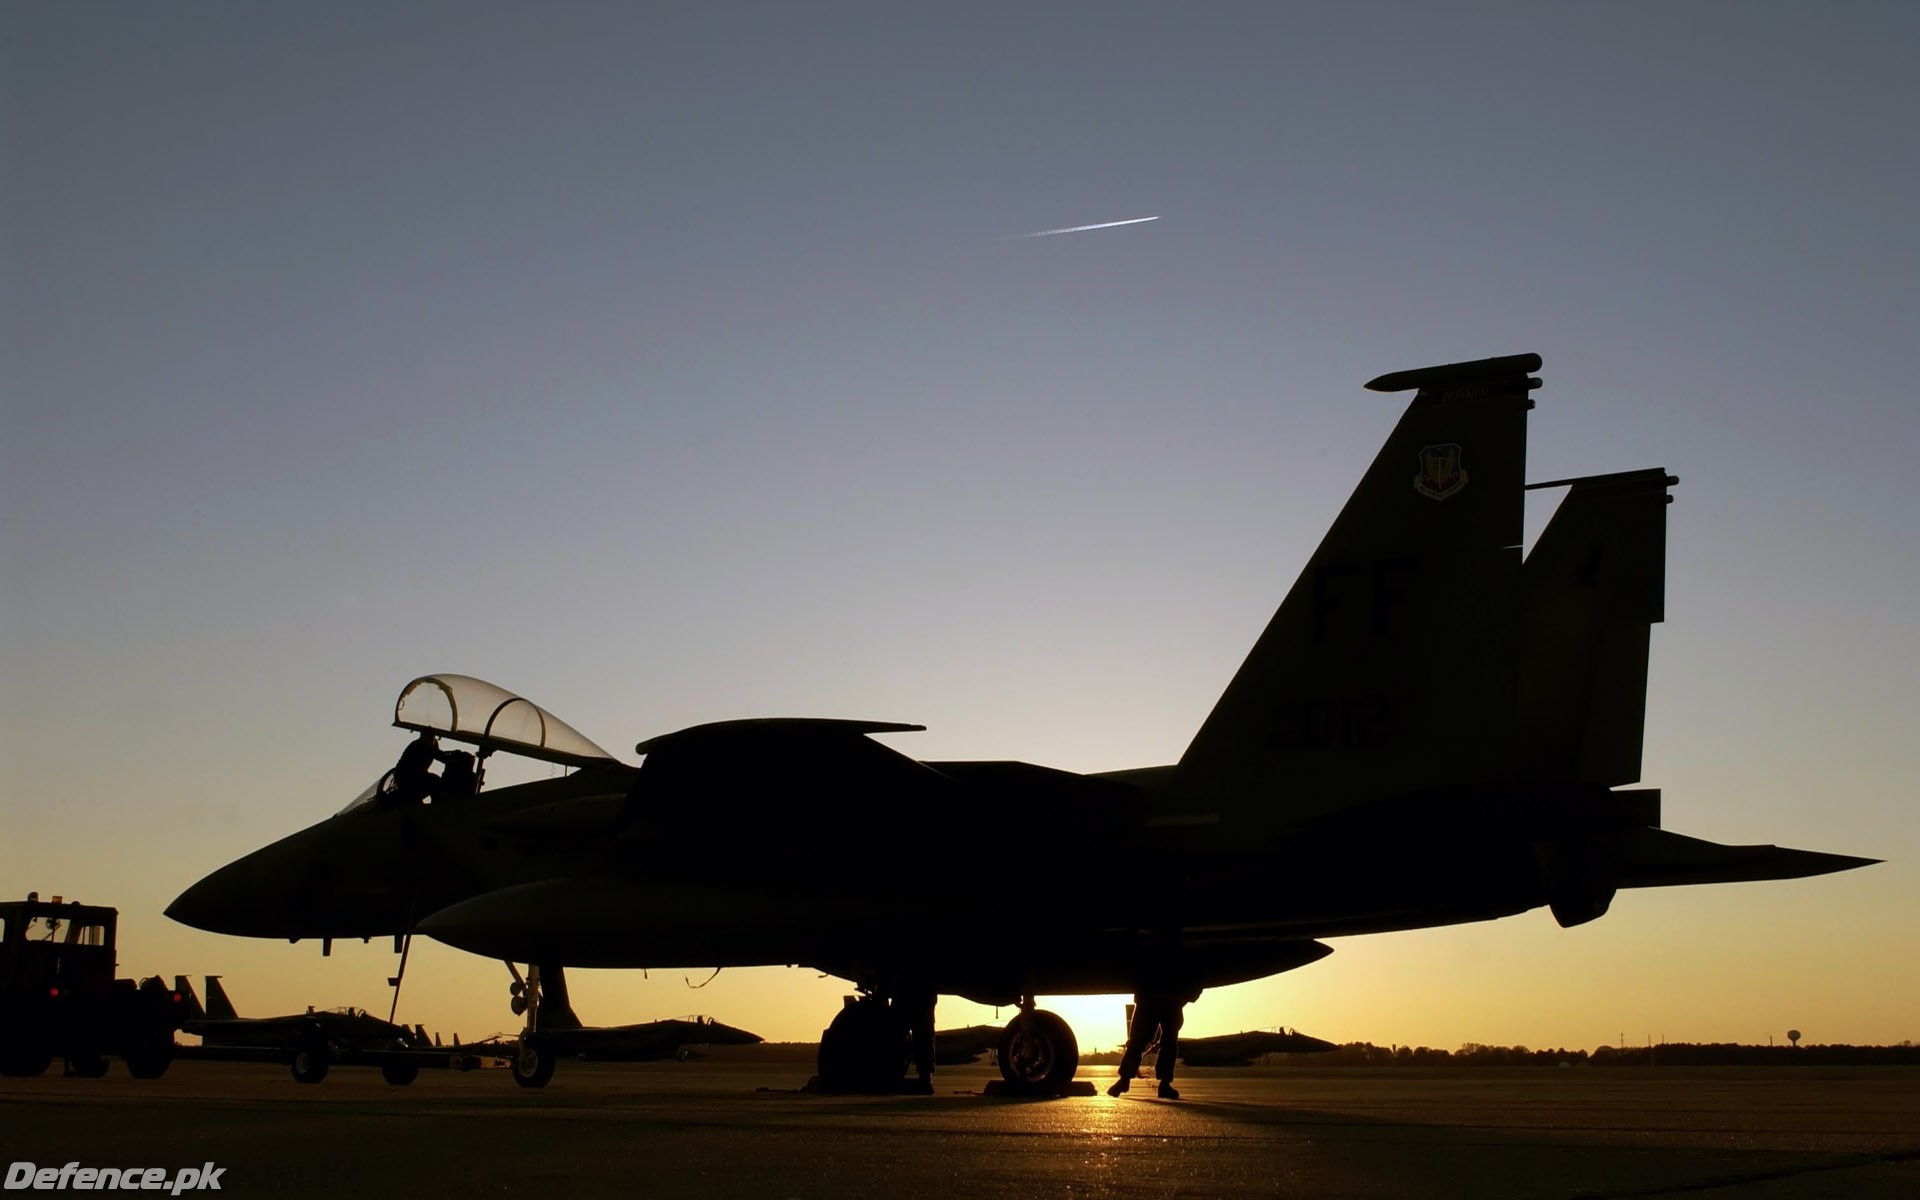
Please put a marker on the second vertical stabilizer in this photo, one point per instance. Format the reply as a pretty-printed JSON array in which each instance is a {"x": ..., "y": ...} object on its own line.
[{"x": 1593, "y": 587}]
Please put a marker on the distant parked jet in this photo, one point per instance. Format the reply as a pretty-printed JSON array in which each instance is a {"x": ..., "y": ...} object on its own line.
[
  {"x": 1240, "y": 1049},
  {"x": 557, "y": 1033},
  {"x": 954, "y": 1047},
  {"x": 310, "y": 1041}
]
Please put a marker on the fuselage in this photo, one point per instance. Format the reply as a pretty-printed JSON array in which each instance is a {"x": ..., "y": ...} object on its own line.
[{"x": 1081, "y": 885}]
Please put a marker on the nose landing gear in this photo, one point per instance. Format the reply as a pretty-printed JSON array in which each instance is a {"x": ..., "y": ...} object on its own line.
[
  {"x": 1038, "y": 1055},
  {"x": 533, "y": 1061}
]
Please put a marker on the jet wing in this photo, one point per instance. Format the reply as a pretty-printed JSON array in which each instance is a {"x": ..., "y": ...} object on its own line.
[{"x": 1657, "y": 858}]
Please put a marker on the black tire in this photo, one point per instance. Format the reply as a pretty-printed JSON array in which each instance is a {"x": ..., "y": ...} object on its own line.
[
  {"x": 1039, "y": 1052},
  {"x": 864, "y": 1050},
  {"x": 310, "y": 1062},
  {"x": 400, "y": 1074},
  {"x": 86, "y": 1066},
  {"x": 533, "y": 1065}
]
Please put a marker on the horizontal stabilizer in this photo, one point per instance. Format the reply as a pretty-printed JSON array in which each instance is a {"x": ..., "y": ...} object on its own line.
[{"x": 1656, "y": 858}]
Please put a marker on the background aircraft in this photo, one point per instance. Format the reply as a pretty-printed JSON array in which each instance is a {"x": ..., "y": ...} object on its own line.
[
  {"x": 1240, "y": 1049},
  {"x": 969, "y": 1044},
  {"x": 555, "y": 1032},
  {"x": 310, "y": 1041},
  {"x": 1431, "y": 730},
  {"x": 649, "y": 1041}
]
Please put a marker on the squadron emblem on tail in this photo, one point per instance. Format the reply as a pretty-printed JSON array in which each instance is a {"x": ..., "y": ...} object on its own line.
[{"x": 1442, "y": 474}]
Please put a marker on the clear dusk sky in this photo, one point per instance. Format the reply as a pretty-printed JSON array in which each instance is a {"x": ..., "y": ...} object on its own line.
[{"x": 672, "y": 362}]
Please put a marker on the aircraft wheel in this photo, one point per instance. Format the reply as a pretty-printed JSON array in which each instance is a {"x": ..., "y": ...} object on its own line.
[
  {"x": 86, "y": 1066},
  {"x": 1039, "y": 1051},
  {"x": 400, "y": 1074},
  {"x": 864, "y": 1049},
  {"x": 532, "y": 1065},
  {"x": 310, "y": 1062},
  {"x": 25, "y": 1058},
  {"x": 150, "y": 1058}
]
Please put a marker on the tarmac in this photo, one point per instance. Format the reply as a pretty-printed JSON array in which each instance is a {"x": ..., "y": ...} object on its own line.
[{"x": 731, "y": 1128}]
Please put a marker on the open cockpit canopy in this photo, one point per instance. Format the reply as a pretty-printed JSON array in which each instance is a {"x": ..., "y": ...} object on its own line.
[{"x": 461, "y": 708}]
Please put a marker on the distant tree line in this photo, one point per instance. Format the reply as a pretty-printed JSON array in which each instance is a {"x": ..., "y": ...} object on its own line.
[{"x": 1667, "y": 1054}]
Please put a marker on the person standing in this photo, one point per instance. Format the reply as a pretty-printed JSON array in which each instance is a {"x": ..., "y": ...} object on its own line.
[{"x": 1158, "y": 1014}]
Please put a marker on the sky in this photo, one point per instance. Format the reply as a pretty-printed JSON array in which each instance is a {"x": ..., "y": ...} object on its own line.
[{"x": 669, "y": 363}]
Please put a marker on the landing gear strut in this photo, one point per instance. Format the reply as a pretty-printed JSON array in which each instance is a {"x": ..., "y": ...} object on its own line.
[{"x": 533, "y": 1062}]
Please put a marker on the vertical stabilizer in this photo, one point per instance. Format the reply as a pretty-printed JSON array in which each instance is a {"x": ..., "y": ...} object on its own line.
[
  {"x": 1593, "y": 587},
  {"x": 219, "y": 1007},
  {"x": 189, "y": 1001},
  {"x": 1389, "y": 667}
]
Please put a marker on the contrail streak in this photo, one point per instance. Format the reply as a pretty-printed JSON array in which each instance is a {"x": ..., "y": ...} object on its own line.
[{"x": 1080, "y": 228}]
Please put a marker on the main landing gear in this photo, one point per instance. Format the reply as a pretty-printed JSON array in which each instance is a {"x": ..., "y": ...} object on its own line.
[
  {"x": 864, "y": 1049},
  {"x": 868, "y": 1046}
]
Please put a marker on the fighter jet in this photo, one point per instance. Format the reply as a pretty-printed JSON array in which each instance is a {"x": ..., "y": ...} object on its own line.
[
  {"x": 309, "y": 1041},
  {"x": 1240, "y": 1049},
  {"x": 968, "y": 1044},
  {"x": 555, "y": 1032},
  {"x": 651, "y": 1041},
  {"x": 1434, "y": 728}
]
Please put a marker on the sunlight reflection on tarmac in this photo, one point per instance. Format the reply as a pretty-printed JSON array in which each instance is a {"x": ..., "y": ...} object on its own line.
[{"x": 704, "y": 1129}]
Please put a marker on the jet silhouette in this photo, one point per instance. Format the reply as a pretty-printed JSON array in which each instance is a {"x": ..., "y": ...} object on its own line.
[
  {"x": 553, "y": 1032},
  {"x": 1240, "y": 1049},
  {"x": 308, "y": 1041},
  {"x": 1432, "y": 729}
]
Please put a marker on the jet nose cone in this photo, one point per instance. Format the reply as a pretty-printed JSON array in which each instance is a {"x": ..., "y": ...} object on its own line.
[
  {"x": 209, "y": 904},
  {"x": 296, "y": 888}
]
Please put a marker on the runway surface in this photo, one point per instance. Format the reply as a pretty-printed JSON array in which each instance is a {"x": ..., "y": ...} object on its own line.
[{"x": 706, "y": 1129}]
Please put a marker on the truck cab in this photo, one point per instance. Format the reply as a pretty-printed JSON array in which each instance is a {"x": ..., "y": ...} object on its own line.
[{"x": 59, "y": 997}]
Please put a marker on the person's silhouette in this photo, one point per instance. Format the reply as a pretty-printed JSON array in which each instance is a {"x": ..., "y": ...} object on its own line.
[
  {"x": 457, "y": 778},
  {"x": 1157, "y": 1013},
  {"x": 412, "y": 780}
]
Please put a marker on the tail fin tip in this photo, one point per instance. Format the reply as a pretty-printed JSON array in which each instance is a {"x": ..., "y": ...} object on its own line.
[{"x": 1460, "y": 374}]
